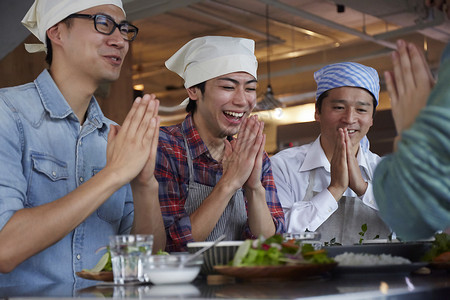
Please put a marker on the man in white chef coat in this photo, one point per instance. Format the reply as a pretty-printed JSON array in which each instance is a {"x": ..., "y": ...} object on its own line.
[{"x": 325, "y": 186}]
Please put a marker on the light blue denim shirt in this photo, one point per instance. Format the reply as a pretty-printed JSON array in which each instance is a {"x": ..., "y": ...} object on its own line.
[{"x": 44, "y": 155}]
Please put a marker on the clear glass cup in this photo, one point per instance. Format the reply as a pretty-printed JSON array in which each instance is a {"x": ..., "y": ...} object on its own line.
[{"x": 125, "y": 253}]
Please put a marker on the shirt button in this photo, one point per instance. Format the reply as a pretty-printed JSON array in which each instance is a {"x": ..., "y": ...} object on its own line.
[
  {"x": 78, "y": 256},
  {"x": 81, "y": 179},
  {"x": 79, "y": 143},
  {"x": 371, "y": 201},
  {"x": 54, "y": 173}
]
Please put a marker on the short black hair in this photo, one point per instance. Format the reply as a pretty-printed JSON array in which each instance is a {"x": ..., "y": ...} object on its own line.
[
  {"x": 325, "y": 94},
  {"x": 49, "y": 56},
  {"x": 192, "y": 105}
]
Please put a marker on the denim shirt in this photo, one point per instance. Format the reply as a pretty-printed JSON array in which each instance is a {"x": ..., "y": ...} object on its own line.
[{"x": 44, "y": 155}]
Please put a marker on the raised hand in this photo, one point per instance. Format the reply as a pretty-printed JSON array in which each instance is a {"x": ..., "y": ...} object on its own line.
[
  {"x": 356, "y": 181},
  {"x": 239, "y": 157},
  {"x": 408, "y": 85},
  {"x": 130, "y": 146},
  {"x": 147, "y": 173},
  {"x": 339, "y": 168},
  {"x": 254, "y": 181}
]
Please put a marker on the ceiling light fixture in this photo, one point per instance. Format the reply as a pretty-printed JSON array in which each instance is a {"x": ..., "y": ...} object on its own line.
[
  {"x": 138, "y": 87},
  {"x": 269, "y": 101}
]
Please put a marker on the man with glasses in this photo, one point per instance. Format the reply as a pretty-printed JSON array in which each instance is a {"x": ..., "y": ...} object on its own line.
[
  {"x": 106, "y": 25},
  {"x": 70, "y": 177}
]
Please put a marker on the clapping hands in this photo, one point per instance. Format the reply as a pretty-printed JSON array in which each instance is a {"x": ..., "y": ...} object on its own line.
[
  {"x": 243, "y": 156},
  {"x": 345, "y": 170},
  {"x": 132, "y": 147}
]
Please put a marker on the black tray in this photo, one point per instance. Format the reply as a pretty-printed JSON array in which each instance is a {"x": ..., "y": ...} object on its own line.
[{"x": 413, "y": 251}]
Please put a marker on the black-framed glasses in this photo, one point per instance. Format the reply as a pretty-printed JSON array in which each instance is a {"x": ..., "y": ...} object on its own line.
[{"x": 106, "y": 25}]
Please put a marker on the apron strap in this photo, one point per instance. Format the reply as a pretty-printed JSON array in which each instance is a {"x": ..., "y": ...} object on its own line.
[{"x": 189, "y": 159}]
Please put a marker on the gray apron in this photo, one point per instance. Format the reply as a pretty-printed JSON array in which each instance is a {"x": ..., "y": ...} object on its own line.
[
  {"x": 345, "y": 223},
  {"x": 233, "y": 219}
]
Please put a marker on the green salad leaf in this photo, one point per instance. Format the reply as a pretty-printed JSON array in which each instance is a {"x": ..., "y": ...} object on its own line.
[
  {"x": 440, "y": 245},
  {"x": 104, "y": 264},
  {"x": 241, "y": 253},
  {"x": 315, "y": 256},
  {"x": 108, "y": 265},
  {"x": 161, "y": 252},
  {"x": 274, "y": 251}
]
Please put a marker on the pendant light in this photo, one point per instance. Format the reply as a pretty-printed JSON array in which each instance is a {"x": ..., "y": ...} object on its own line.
[{"x": 269, "y": 101}]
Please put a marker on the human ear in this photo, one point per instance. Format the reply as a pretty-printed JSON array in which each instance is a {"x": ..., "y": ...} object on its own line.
[
  {"x": 193, "y": 93},
  {"x": 317, "y": 115},
  {"x": 54, "y": 34}
]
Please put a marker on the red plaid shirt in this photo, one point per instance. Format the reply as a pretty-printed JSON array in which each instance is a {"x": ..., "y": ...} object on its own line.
[{"x": 172, "y": 173}]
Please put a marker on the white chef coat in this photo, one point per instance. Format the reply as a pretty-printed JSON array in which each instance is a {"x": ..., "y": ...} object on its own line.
[{"x": 291, "y": 170}]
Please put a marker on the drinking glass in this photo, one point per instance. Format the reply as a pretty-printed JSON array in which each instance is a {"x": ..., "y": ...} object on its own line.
[{"x": 126, "y": 251}]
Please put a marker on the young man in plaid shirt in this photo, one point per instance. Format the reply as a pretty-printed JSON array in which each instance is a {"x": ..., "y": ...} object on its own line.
[{"x": 209, "y": 182}]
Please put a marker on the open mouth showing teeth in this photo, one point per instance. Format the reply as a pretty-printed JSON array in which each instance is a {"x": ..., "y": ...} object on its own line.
[
  {"x": 114, "y": 58},
  {"x": 351, "y": 131},
  {"x": 234, "y": 114}
]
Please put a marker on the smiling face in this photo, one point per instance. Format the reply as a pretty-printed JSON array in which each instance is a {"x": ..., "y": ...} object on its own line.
[
  {"x": 345, "y": 107},
  {"x": 90, "y": 54},
  {"x": 224, "y": 105}
]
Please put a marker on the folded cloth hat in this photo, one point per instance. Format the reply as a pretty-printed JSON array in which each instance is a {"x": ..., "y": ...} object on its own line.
[
  {"x": 208, "y": 57},
  {"x": 43, "y": 14},
  {"x": 347, "y": 74}
]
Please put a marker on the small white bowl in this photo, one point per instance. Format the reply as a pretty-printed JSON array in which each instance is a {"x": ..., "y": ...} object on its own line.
[
  {"x": 218, "y": 255},
  {"x": 168, "y": 269}
]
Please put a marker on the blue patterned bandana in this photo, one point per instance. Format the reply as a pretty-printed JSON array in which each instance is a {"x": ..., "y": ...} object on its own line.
[{"x": 347, "y": 74}]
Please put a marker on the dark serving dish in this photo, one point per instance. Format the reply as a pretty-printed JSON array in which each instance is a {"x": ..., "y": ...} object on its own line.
[{"x": 413, "y": 251}]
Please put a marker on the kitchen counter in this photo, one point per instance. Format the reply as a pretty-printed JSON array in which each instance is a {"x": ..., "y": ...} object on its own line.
[{"x": 393, "y": 285}]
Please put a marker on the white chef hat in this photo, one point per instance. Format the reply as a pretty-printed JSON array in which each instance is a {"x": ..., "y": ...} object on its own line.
[
  {"x": 43, "y": 14},
  {"x": 347, "y": 74},
  {"x": 207, "y": 57}
]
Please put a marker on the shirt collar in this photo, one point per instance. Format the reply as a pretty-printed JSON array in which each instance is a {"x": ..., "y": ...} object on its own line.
[
  {"x": 95, "y": 114},
  {"x": 316, "y": 158},
  {"x": 56, "y": 105},
  {"x": 194, "y": 141}
]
